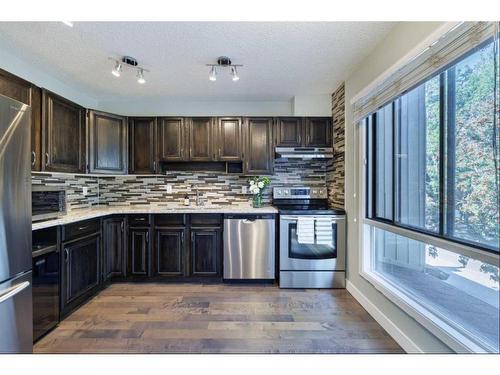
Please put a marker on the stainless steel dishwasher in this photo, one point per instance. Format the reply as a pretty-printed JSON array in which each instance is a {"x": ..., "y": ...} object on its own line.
[{"x": 249, "y": 247}]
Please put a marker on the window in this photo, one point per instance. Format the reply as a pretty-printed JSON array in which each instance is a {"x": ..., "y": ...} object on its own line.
[
  {"x": 433, "y": 155},
  {"x": 432, "y": 231},
  {"x": 472, "y": 182},
  {"x": 462, "y": 290}
]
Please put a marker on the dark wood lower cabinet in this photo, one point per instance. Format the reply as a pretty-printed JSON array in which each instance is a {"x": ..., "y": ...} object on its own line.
[
  {"x": 139, "y": 252},
  {"x": 80, "y": 271},
  {"x": 115, "y": 246},
  {"x": 169, "y": 253},
  {"x": 205, "y": 252}
]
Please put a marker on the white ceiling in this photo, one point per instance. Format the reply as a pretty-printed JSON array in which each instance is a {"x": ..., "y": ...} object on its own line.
[{"x": 281, "y": 59}]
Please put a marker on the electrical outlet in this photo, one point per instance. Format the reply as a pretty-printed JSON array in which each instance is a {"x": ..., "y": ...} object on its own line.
[
  {"x": 85, "y": 190},
  {"x": 169, "y": 188},
  {"x": 244, "y": 190}
]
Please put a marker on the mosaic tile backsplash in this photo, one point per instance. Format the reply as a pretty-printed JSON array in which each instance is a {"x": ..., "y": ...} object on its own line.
[{"x": 216, "y": 188}]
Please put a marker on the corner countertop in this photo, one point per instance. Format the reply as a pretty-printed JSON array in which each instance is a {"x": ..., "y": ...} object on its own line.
[{"x": 99, "y": 211}]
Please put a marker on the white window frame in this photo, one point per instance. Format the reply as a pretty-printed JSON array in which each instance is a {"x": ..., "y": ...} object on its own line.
[{"x": 437, "y": 325}]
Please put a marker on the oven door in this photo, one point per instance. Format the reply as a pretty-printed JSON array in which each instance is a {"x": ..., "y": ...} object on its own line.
[{"x": 311, "y": 257}]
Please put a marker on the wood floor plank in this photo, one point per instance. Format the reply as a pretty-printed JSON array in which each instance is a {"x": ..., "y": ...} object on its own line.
[{"x": 218, "y": 318}]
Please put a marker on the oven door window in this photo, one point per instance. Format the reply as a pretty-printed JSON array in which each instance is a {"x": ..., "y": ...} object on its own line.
[{"x": 298, "y": 250}]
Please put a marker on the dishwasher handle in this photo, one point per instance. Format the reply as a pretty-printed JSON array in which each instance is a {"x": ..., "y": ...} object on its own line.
[{"x": 250, "y": 217}]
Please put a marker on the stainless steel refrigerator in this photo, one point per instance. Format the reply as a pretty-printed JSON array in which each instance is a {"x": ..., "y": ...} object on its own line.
[{"x": 16, "y": 322}]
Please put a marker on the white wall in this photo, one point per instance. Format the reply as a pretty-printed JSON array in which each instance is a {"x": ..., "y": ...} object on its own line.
[
  {"x": 190, "y": 107},
  {"x": 29, "y": 71},
  {"x": 312, "y": 105},
  {"x": 399, "y": 42}
]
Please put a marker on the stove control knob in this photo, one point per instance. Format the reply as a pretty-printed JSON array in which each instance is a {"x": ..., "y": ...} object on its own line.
[
  {"x": 287, "y": 192},
  {"x": 278, "y": 192},
  {"x": 321, "y": 192}
]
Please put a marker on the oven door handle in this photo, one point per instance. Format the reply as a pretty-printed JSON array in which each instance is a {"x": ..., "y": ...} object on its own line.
[{"x": 295, "y": 218}]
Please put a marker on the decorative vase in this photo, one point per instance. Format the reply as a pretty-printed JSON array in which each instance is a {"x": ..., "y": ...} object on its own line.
[{"x": 257, "y": 201}]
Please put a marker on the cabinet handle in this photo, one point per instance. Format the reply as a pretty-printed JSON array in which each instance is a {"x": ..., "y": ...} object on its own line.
[
  {"x": 33, "y": 154},
  {"x": 219, "y": 152},
  {"x": 154, "y": 166},
  {"x": 147, "y": 236},
  {"x": 121, "y": 226},
  {"x": 66, "y": 254},
  {"x": 140, "y": 219},
  {"x": 46, "y": 159},
  {"x": 83, "y": 228}
]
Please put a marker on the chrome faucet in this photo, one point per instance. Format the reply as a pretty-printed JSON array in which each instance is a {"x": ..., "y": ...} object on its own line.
[{"x": 199, "y": 199}]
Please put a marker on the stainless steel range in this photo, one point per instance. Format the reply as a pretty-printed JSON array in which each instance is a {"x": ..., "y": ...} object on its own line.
[{"x": 312, "y": 239}]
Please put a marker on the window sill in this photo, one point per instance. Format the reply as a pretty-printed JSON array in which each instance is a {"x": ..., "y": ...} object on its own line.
[{"x": 456, "y": 340}]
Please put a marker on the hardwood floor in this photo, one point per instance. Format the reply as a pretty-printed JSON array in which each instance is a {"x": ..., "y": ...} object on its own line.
[{"x": 193, "y": 318}]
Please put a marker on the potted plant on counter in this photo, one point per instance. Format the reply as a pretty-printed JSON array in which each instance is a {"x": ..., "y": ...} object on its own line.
[{"x": 257, "y": 185}]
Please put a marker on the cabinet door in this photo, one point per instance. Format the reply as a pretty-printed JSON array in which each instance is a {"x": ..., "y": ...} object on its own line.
[
  {"x": 318, "y": 132},
  {"x": 200, "y": 139},
  {"x": 138, "y": 259},
  {"x": 24, "y": 92},
  {"x": 205, "y": 252},
  {"x": 171, "y": 139},
  {"x": 64, "y": 134},
  {"x": 108, "y": 143},
  {"x": 115, "y": 244},
  {"x": 258, "y": 153},
  {"x": 289, "y": 131},
  {"x": 142, "y": 145},
  {"x": 228, "y": 141},
  {"x": 169, "y": 257},
  {"x": 80, "y": 271}
]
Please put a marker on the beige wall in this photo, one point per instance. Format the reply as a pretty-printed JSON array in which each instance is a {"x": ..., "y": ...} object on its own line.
[{"x": 404, "y": 38}]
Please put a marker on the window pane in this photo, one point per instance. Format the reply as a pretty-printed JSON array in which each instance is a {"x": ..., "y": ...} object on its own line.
[
  {"x": 417, "y": 156},
  {"x": 383, "y": 162},
  {"x": 462, "y": 291},
  {"x": 473, "y": 192}
]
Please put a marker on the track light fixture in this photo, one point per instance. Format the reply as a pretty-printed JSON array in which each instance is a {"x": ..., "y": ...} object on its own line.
[
  {"x": 117, "y": 69},
  {"x": 213, "y": 74},
  {"x": 140, "y": 77},
  {"x": 234, "y": 73},
  {"x": 223, "y": 62},
  {"x": 131, "y": 63}
]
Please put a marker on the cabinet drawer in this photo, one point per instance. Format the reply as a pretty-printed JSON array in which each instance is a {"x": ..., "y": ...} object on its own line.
[
  {"x": 80, "y": 229},
  {"x": 138, "y": 220},
  {"x": 170, "y": 220},
  {"x": 206, "y": 220}
]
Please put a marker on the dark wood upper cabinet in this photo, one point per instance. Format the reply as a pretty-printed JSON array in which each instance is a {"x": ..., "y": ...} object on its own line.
[
  {"x": 205, "y": 252},
  {"x": 258, "y": 154},
  {"x": 169, "y": 252},
  {"x": 142, "y": 150},
  {"x": 171, "y": 139},
  {"x": 289, "y": 131},
  {"x": 228, "y": 140},
  {"x": 27, "y": 93},
  {"x": 63, "y": 134},
  {"x": 108, "y": 143},
  {"x": 318, "y": 132},
  {"x": 201, "y": 139},
  {"x": 115, "y": 245}
]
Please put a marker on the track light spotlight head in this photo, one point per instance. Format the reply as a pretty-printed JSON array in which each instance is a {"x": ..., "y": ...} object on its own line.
[
  {"x": 140, "y": 77},
  {"x": 117, "y": 69},
  {"x": 213, "y": 74},
  {"x": 234, "y": 73}
]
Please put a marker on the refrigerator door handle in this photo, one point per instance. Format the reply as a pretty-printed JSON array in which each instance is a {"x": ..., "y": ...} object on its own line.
[{"x": 11, "y": 292}]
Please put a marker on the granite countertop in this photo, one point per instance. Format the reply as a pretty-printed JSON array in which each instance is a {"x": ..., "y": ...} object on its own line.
[{"x": 98, "y": 211}]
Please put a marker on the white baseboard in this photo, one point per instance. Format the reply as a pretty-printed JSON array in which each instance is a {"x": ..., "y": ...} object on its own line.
[{"x": 399, "y": 336}]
